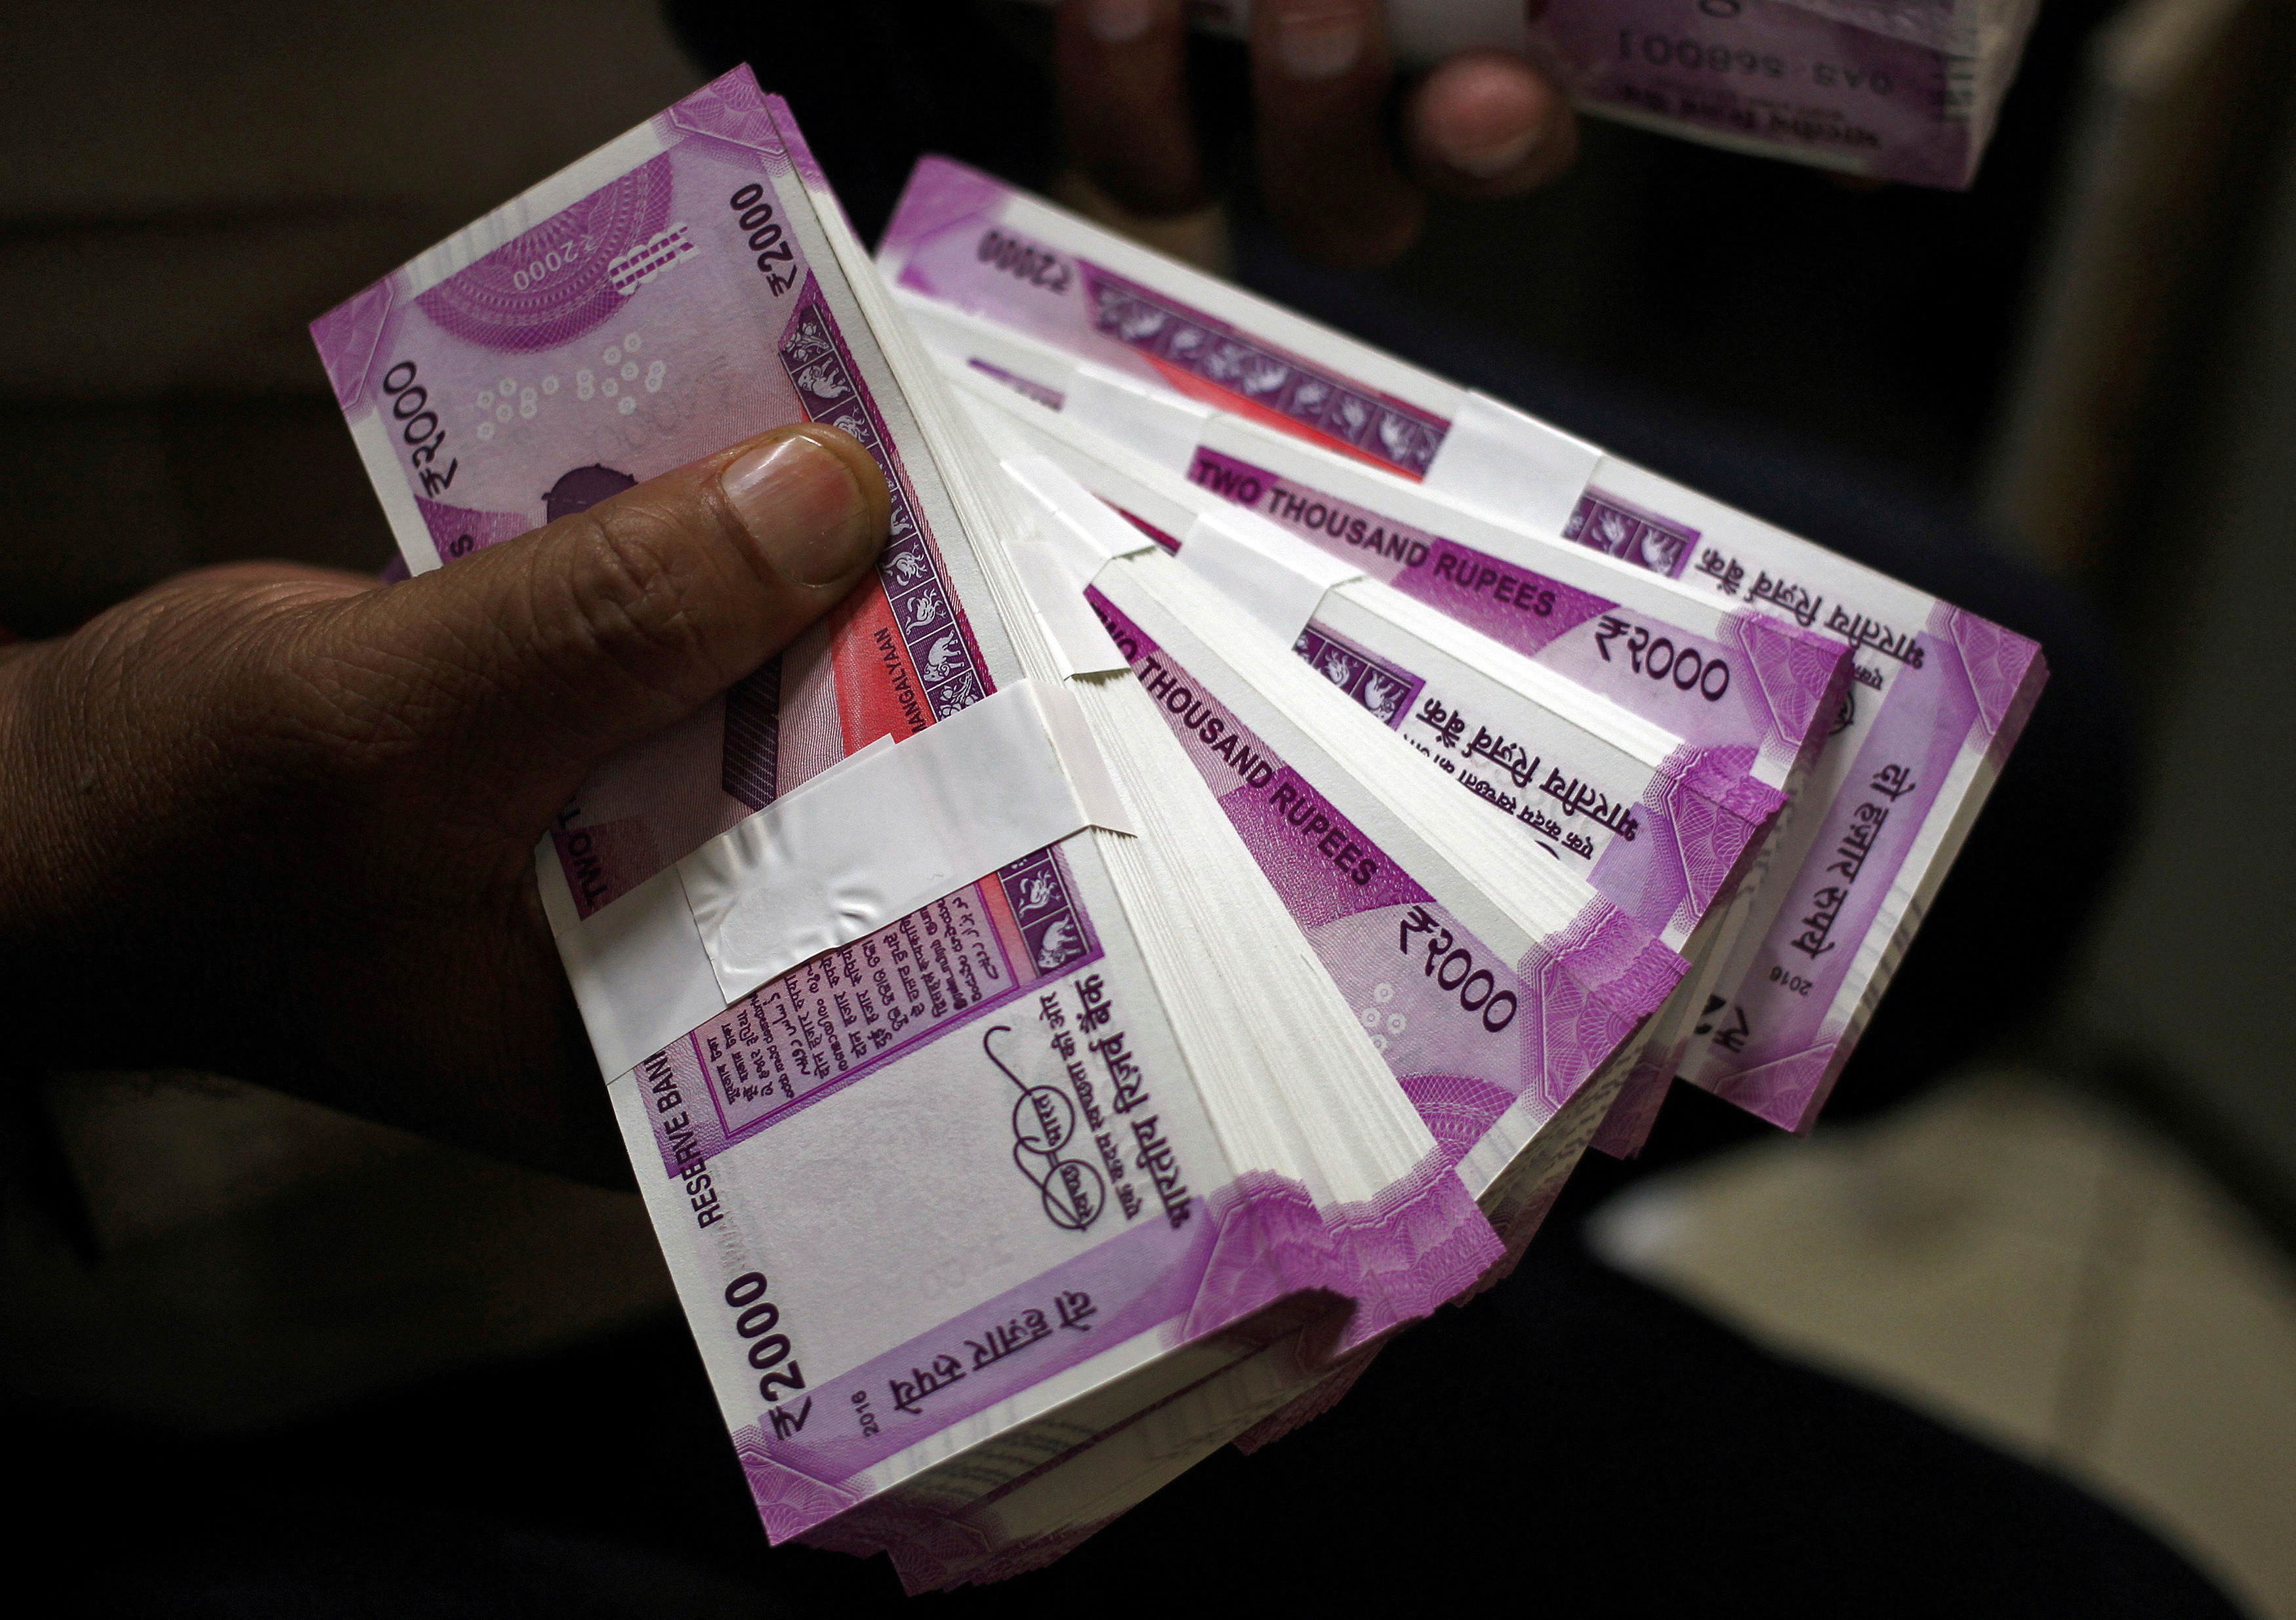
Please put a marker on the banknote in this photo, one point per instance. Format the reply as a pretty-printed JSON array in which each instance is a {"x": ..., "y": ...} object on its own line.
[
  {"x": 1621, "y": 632},
  {"x": 1662, "y": 830},
  {"x": 490, "y": 394},
  {"x": 1490, "y": 1016},
  {"x": 1260, "y": 1396},
  {"x": 1686, "y": 860},
  {"x": 1896, "y": 89},
  {"x": 1937, "y": 696},
  {"x": 987, "y": 1158},
  {"x": 1302, "y": 485}
]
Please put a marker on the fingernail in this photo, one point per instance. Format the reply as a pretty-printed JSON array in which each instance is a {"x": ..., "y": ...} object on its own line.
[
  {"x": 1489, "y": 162},
  {"x": 1318, "y": 41},
  {"x": 1117, "y": 21},
  {"x": 799, "y": 503}
]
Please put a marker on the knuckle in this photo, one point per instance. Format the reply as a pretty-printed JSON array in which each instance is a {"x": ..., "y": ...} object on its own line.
[
  {"x": 624, "y": 588},
  {"x": 629, "y": 594}
]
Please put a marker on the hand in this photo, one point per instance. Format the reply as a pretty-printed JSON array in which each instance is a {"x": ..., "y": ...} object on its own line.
[
  {"x": 280, "y": 822},
  {"x": 1484, "y": 124}
]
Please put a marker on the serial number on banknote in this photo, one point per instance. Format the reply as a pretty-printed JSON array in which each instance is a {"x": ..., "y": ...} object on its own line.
[
  {"x": 1705, "y": 56},
  {"x": 1661, "y": 51}
]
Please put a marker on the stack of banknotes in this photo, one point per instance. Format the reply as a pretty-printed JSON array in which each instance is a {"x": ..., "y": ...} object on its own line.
[
  {"x": 1894, "y": 89},
  {"x": 1181, "y": 922}
]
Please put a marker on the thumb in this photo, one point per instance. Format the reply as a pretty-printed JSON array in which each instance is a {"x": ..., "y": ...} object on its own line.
[{"x": 552, "y": 652}]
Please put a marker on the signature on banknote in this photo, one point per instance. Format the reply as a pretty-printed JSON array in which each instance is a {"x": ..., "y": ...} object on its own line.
[{"x": 1074, "y": 1190}]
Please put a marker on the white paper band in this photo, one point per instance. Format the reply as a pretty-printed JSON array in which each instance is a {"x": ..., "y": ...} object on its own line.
[
  {"x": 1161, "y": 427},
  {"x": 967, "y": 344},
  {"x": 891, "y": 833},
  {"x": 1056, "y": 591},
  {"x": 1081, "y": 526},
  {"x": 640, "y": 975},
  {"x": 1275, "y": 576},
  {"x": 1513, "y": 465},
  {"x": 1077, "y": 539}
]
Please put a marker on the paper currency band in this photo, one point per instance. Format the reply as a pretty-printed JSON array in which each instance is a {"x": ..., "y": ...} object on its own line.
[
  {"x": 1156, "y": 425},
  {"x": 1511, "y": 463},
  {"x": 884, "y": 833},
  {"x": 1275, "y": 576},
  {"x": 1079, "y": 535},
  {"x": 896, "y": 830}
]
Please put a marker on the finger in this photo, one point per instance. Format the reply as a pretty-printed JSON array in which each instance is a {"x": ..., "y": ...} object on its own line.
[
  {"x": 1488, "y": 124},
  {"x": 1121, "y": 66},
  {"x": 548, "y": 654},
  {"x": 1320, "y": 73}
]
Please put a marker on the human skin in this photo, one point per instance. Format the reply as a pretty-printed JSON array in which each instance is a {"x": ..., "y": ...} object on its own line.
[
  {"x": 1483, "y": 124},
  {"x": 279, "y": 821}
]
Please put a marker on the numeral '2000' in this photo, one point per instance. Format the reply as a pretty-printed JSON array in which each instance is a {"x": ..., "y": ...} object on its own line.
[
  {"x": 410, "y": 405},
  {"x": 1474, "y": 985},
  {"x": 1657, "y": 657},
  {"x": 768, "y": 1350},
  {"x": 756, "y": 217}
]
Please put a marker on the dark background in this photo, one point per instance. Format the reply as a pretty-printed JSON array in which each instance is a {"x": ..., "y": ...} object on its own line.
[{"x": 246, "y": 1332}]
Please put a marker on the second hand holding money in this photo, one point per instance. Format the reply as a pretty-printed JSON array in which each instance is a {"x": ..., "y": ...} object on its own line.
[{"x": 1483, "y": 124}]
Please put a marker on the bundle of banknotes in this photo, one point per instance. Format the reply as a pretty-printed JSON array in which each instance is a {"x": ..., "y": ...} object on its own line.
[
  {"x": 1894, "y": 89},
  {"x": 1180, "y": 923}
]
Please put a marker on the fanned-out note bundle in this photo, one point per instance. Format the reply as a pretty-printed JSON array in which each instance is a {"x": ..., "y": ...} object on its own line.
[{"x": 1180, "y": 922}]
